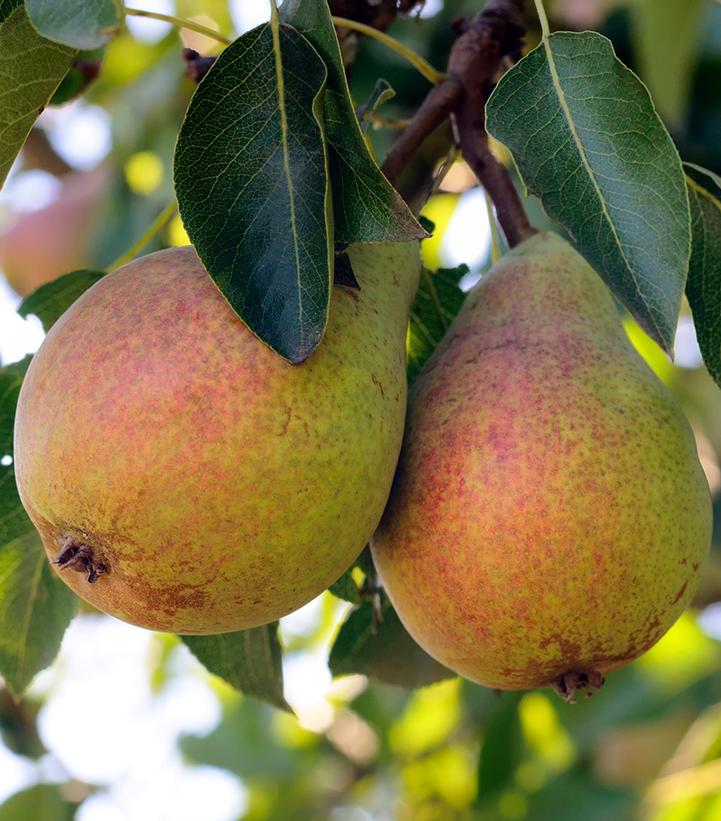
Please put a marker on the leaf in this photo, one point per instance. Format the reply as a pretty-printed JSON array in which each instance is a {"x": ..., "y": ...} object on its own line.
[
  {"x": 40, "y": 803},
  {"x": 502, "y": 746},
  {"x": 6, "y": 6},
  {"x": 35, "y": 606},
  {"x": 366, "y": 207},
  {"x": 703, "y": 287},
  {"x": 346, "y": 589},
  {"x": 82, "y": 24},
  {"x": 588, "y": 142},
  {"x": 385, "y": 653},
  {"x": 249, "y": 660},
  {"x": 382, "y": 92},
  {"x": 31, "y": 68},
  {"x": 51, "y": 300},
  {"x": 252, "y": 186},
  {"x": 437, "y": 302},
  {"x": 665, "y": 33}
]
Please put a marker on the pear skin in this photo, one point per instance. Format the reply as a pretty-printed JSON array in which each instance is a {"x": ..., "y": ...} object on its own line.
[
  {"x": 184, "y": 477},
  {"x": 549, "y": 516}
]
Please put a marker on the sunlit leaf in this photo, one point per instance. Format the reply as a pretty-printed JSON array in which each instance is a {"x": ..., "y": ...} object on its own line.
[
  {"x": 40, "y": 803},
  {"x": 249, "y": 660},
  {"x": 82, "y": 24},
  {"x": 587, "y": 140},
  {"x": 665, "y": 34}
]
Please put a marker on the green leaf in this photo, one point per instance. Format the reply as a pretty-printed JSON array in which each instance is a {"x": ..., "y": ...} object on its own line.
[
  {"x": 384, "y": 652},
  {"x": 382, "y": 92},
  {"x": 82, "y": 24},
  {"x": 502, "y": 746},
  {"x": 51, "y": 300},
  {"x": 6, "y": 6},
  {"x": 35, "y": 606},
  {"x": 346, "y": 589},
  {"x": 31, "y": 68},
  {"x": 704, "y": 277},
  {"x": 252, "y": 186},
  {"x": 588, "y": 142},
  {"x": 40, "y": 803},
  {"x": 249, "y": 660},
  {"x": 665, "y": 33},
  {"x": 437, "y": 302},
  {"x": 366, "y": 207}
]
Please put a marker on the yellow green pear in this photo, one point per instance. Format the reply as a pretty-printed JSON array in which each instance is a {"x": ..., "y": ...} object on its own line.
[
  {"x": 184, "y": 477},
  {"x": 549, "y": 516}
]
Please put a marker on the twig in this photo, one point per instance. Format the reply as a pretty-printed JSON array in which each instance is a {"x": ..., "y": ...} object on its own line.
[
  {"x": 474, "y": 61},
  {"x": 156, "y": 226},
  {"x": 437, "y": 106}
]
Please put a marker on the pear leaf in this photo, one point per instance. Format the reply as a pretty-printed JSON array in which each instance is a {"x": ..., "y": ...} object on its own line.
[
  {"x": 383, "y": 650},
  {"x": 588, "y": 142},
  {"x": 703, "y": 288},
  {"x": 35, "y": 606},
  {"x": 665, "y": 33},
  {"x": 366, "y": 207},
  {"x": 437, "y": 302},
  {"x": 249, "y": 660},
  {"x": 6, "y": 6},
  {"x": 253, "y": 189},
  {"x": 51, "y": 300},
  {"x": 31, "y": 68},
  {"x": 82, "y": 24}
]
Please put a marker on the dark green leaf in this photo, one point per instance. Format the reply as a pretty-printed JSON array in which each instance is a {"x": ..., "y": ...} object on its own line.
[
  {"x": 35, "y": 606},
  {"x": 665, "y": 34},
  {"x": 82, "y": 24},
  {"x": 366, "y": 207},
  {"x": 384, "y": 652},
  {"x": 6, "y": 6},
  {"x": 343, "y": 271},
  {"x": 346, "y": 589},
  {"x": 40, "y": 803},
  {"x": 252, "y": 185},
  {"x": 437, "y": 302},
  {"x": 82, "y": 73},
  {"x": 502, "y": 746},
  {"x": 31, "y": 68},
  {"x": 587, "y": 140},
  {"x": 249, "y": 660},
  {"x": 704, "y": 277},
  {"x": 11, "y": 378},
  {"x": 51, "y": 300}
]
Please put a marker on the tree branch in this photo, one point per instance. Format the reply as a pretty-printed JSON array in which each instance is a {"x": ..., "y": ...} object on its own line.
[{"x": 474, "y": 62}]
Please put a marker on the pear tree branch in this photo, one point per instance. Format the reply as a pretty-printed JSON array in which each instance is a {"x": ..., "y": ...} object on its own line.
[{"x": 475, "y": 60}]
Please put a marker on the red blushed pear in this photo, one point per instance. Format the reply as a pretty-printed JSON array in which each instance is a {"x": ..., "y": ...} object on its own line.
[
  {"x": 40, "y": 246},
  {"x": 549, "y": 516},
  {"x": 184, "y": 477}
]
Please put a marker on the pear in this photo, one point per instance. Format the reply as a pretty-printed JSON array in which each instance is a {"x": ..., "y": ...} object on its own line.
[
  {"x": 184, "y": 477},
  {"x": 549, "y": 516}
]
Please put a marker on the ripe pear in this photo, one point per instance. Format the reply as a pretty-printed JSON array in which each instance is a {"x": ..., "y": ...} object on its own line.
[
  {"x": 549, "y": 515},
  {"x": 196, "y": 481},
  {"x": 41, "y": 245}
]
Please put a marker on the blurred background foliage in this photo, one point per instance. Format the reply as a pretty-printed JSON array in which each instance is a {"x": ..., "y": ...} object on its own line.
[{"x": 127, "y": 725}]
